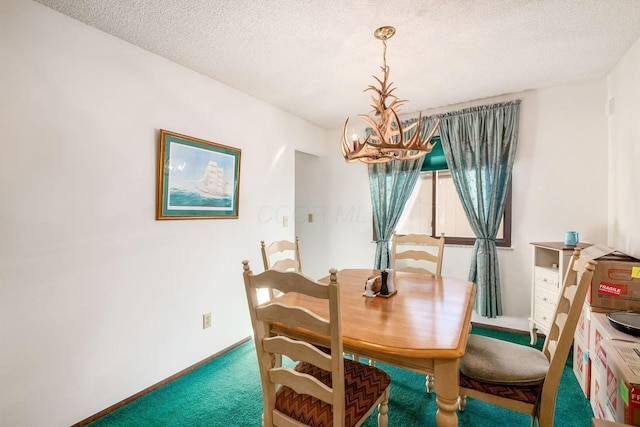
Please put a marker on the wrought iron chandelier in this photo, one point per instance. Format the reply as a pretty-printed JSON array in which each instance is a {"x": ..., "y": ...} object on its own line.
[{"x": 387, "y": 140}]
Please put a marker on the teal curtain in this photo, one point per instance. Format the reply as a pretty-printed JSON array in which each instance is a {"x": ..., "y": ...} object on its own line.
[
  {"x": 391, "y": 185},
  {"x": 480, "y": 145}
]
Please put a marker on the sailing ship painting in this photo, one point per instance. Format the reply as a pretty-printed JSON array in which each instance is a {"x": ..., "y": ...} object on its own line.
[
  {"x": 200, "y": 179},
  {"x": 196, "y": 178},
  {"x": 212, "y": 185}
]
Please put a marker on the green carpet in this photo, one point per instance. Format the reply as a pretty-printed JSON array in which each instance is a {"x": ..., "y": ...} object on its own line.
[{"x": 226, "y": 392}]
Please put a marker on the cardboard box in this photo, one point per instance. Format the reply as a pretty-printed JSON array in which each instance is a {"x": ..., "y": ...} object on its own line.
[
  {"x": 583, "y": 328},
  {"x": 598, "y": 398},
  {"x": 601, "y": 331},
  {"x": 602, "y": 423},
  {"x": 623, "y": 381},
  {"x": 584, "y": 325},
  {"x": 616, "y": 283},
  {"x": 582, "y": 349},
  {"x": 582, "y": 365}
]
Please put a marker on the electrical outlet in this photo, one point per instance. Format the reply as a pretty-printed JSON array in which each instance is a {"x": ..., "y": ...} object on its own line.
[
  {"x": 285, "y": 221},
  {"x": 206, "y": 320}
]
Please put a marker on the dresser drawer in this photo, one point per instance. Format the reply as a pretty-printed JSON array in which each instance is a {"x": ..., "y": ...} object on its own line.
[
  {"x": 547, "y": 277},
  {"x": 546, "y": 299},
  {"x": 543, "y": 317}
]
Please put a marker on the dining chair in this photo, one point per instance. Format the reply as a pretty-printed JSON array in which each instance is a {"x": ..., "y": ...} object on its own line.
[
  {"x": 524, "y": 378},
  {"x": 424, "y": 256},
  {"x": 282, "y": 255},
  {"x": 323, "y": 388},
  {"x": 426, "y": 260}
]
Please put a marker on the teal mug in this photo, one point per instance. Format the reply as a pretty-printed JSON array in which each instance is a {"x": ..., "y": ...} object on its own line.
[{"x": 571, "y": 238}]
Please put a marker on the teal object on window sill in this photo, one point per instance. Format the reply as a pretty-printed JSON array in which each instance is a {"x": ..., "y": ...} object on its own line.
[{"x": 435, "y": 160}]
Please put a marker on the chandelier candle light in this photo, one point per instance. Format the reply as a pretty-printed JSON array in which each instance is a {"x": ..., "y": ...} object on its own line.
[{"x": 387, "y": 140}]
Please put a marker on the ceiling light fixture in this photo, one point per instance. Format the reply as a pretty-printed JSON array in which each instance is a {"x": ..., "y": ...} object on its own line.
[{"x": 386, "y": 140}]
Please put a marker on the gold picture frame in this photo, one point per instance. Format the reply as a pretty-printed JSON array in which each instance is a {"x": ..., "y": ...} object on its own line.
[{"x": 197, "y": 179}]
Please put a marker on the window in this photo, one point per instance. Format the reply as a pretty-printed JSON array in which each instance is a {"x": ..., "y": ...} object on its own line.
[{"x": 434, "y": 206}]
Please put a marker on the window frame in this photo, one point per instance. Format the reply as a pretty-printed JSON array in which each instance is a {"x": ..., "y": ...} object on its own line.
[{"x": 505, "y": 241}]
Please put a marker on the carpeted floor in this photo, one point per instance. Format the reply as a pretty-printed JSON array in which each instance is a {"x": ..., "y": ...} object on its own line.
[{"x": 226, "y": 392}]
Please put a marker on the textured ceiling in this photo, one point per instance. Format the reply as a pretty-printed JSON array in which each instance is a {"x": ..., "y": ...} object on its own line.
[{"x": 313, "y": 58}]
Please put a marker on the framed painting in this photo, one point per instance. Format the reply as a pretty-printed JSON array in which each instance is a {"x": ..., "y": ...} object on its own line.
[{"x": 197, "y": 179}]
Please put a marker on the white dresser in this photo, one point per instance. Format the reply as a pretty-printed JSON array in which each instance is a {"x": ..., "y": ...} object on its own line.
[{"x": 550, "y": 261}]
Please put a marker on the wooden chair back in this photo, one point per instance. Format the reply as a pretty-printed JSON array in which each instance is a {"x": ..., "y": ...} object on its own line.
[
  {"x": 424, "y": 258},
  {"x": 576, "y": 284},
  {"x": 282, "y": 255},
  {"x": 268, "y": 345}
]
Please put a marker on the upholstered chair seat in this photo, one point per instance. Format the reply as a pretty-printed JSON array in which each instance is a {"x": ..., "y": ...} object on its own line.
[
  {"x": 363, "y": 386},
  {"x": 500, "y": 362},
  {"x": 503, "y": 369}
]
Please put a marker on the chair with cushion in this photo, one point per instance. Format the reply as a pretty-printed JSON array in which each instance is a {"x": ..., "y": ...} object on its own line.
[
  {"x": 424, "y": 257},
  {"x": 523, "y": 378},
  {"x": 282, "y": 255},
  {"x": 324, "y": 388}
]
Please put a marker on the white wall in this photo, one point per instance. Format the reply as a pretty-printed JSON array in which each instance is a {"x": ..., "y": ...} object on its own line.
[
  {"x": 98, "y": 300},
  {"x": 311, "y": 200},
  {"x": 559, "y": 184},
  {"x": 624, "y": 139}
]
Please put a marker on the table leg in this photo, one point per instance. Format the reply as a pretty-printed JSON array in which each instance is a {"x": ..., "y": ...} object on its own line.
[{"x": 446, "y": 386}]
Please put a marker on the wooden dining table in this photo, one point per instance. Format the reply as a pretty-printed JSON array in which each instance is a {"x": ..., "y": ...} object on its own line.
[{"x": 423, "y": 327}]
